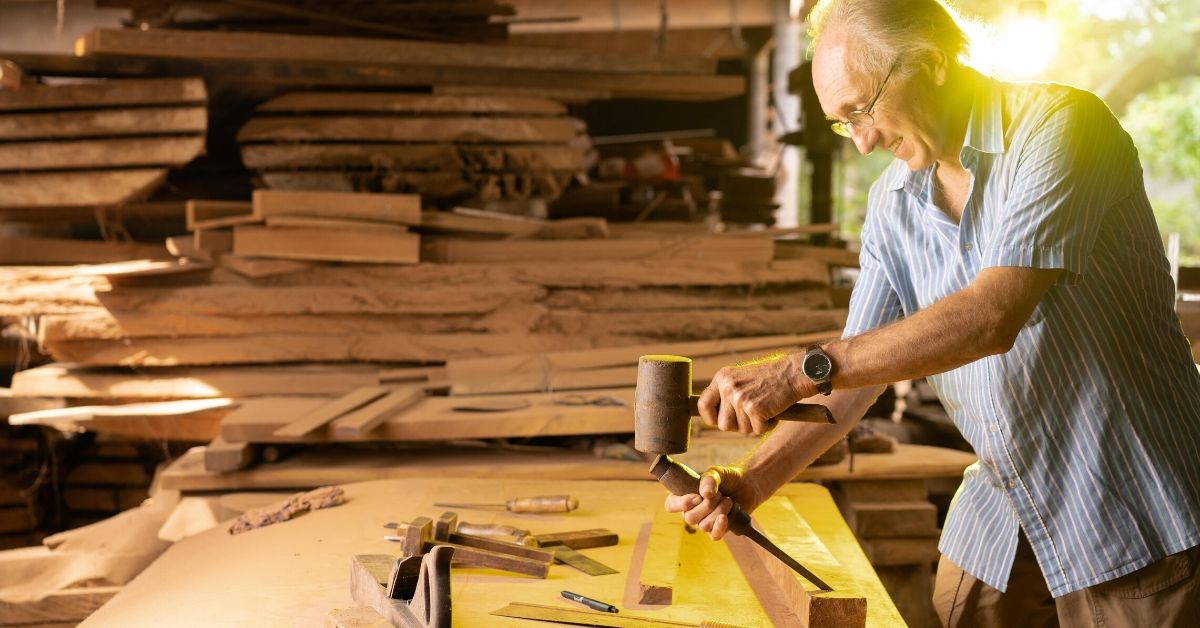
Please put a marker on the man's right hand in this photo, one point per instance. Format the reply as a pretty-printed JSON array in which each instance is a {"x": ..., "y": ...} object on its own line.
[{"x": 720, "y": 487}]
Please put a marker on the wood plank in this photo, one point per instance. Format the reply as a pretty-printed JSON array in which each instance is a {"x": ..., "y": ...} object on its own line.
[
  {"x": 320, "y": 244},
  {"x": 103, "y": 123},
  {"x": 260, "y": 267},
  {"x": 106, "y": 93},
  {"x": 210, "y": 214},
  {"x": 447, "y": 418},
  {"x": 333, "y": 225},
  {"x": 410, "y": 103},
  {"x": 407, "y": 156},
  {"x": 476, "y": 298},
  {"x": 196, "y": 420},
  {"x": 843, "y": 607},
  {"x": 660, "y": 568},
  {"x": 733, "y": 348},
  {"x": 451, "y": 186},
  {"x": 829, "y": 255},
  {"x": 284, "y": 348},
  {"x": 32, "y": 250},
  {"x": 263, "y": 47},
  {"x": 400, "y": 129},
  {"x": 403, "y": 209},
  {"x": 449, "y": 251},
  {"x": 213, "y": 241},
  {"x": 305, "y": 423},
  {"x": 693, "y": 324},
  {"x": 880, "y": 520},
  {"x": 107, "y": 153},
  {"x": 902, "y": 551},
  {"x": 192, "y": 383},
  {"x": 77, "y": 189},
  {"x": 726, "y": 298},
  {"x": 68, "y": 607},
  {"x": 221, "y": 455},
  {"x": 853, "y": 491},
  {"x": 370, "y": 416}
]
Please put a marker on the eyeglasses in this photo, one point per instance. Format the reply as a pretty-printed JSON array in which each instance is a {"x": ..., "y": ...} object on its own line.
[{"x": 862, "y": 118}]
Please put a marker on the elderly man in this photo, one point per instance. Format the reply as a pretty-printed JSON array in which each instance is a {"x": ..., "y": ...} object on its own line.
[{"x": 1009, "y": 255}]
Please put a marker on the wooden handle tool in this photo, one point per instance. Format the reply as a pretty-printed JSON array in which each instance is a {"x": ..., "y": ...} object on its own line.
[{"x": 535, "y": 504}]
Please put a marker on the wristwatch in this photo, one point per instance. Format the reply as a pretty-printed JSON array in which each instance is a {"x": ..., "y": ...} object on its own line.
[{"x": 818, "y": 367}]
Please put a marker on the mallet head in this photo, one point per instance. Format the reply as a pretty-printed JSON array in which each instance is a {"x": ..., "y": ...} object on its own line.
[{"x": 661, "y": 404}]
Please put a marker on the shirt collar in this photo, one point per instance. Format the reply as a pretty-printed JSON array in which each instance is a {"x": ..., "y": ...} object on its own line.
[{"x": 985, "y": 134}]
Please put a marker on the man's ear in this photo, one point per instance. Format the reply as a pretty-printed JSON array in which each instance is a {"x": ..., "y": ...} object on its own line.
[{"x": 934, "y": 63}]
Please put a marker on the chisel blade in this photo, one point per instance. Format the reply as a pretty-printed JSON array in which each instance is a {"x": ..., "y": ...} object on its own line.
[{"x": 765, "y": 543}]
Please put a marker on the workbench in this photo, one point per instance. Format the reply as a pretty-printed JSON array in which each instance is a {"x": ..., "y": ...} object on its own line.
[{"x": 294, "y": 573}]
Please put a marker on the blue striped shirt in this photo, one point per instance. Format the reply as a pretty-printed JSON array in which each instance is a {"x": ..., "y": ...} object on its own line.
[{"x": 1088, "y": 429}]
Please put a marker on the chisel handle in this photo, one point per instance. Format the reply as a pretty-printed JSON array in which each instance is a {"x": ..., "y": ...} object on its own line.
[
  {"x": 680, "y": 479},
  {"x": 542, "y": 503}
]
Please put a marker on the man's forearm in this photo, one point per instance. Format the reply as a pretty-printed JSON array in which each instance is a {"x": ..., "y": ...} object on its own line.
[{"x": 791, "y": 447}]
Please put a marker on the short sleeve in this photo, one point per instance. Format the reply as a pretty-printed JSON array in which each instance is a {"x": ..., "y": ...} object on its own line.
[
  {"x": 873, "y": 302},
  {"x": 1065, "y": 174}
]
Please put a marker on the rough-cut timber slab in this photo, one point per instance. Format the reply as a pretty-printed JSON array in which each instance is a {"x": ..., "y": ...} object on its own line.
[
  {"x": 678, "y": 249},
  {"x": 442, "y": 185},
  {"x": 404, "y": 209},
  {"x": 400, "y": 129},
  {"x": 102, "y": 123},
  {"x": 693, "y": 324},
  {"x": 108, "y": 93},
  {"x": 487, "y": 158},
  {"x": 192, "y": 383},
  {"x": 107, "y": 153},
  {"x": 280, "y": 348},
  {"x": 191, "y": 419},
  {"x": 224, "y": 300},
  {"x": 323, "y": 244},
  {"x": 188, "y": 44},
  {"x": 412, "y": 103},
  {"x": 23, "y": 250},
  {"x": 649, "y": 299},
  {"x": 77, "y": 189},
  {"x": 444, "y": 418}
]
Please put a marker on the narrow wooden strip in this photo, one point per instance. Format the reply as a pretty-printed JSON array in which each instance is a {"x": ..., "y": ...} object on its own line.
[
  {"x": 317, "y": 244},
  {"x": 106, "y": 93},
  {"x": 399, "y": 157},
  {"x": 334, "y": 225},
  {"x": 108, "y": 153},
  {"x": 656, "y": 581},
  {"x": 321, "y": 415},
  {"x": 679, "y": 249},
  {"x": 208, "y": 214},
  {"x": 410, "y": 103},
  {"x": 400, "y": 129},
  {"x": 404, "y": 209},
  {"x": 77, "y": 189},
  {"x": 156, "y": 120},
  {"x": 369, "y": 417},
  {"x": 28, "y": 250}
]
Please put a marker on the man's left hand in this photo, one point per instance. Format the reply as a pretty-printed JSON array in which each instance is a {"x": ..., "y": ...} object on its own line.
[{"x": 747, "y": 398}]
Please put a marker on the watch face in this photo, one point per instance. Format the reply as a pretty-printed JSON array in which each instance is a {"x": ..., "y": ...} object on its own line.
[{"x": 817, "y": 366}]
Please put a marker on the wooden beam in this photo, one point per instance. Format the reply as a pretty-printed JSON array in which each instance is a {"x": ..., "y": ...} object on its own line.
[
  {"x": 660, "y": 567},
  {"x": 411, "y": 103},
  {"x": 446, "y": 418},
  {"x": 107, "y": 93},
  {"x": 333, "y": 225},
  {"x": 103, "y": 123},
  {"x": 407, "y": 156},
  {"x": 449, "y": 251},
  {"x": 184, "y": 44},
  {"x": 208, "y": 214},
  {"x": 30, "y": 250},
  {"x": 466, "y": 130},
  {"x": 404, "y": 209},
  {"x": 77, "y": 189},
  {"x": 320, "y": 244},
  {"x": 299, "y": 426},
  {"x": 370, "y": 416},
  {"x": 106, "y": 153}
]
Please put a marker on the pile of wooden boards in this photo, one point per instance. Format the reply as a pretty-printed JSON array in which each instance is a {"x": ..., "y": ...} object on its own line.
[
  {"x": 456, "y": 20},
  {"x": 447, "y": 149},
  {"x": 95, "y": 144}
]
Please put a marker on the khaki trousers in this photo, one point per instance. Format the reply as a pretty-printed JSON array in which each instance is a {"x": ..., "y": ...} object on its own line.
[{"x": 1165, "y": 594}]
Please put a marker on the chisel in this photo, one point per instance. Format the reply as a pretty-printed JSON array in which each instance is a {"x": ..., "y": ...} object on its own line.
[{"x": 539, "y": 503}]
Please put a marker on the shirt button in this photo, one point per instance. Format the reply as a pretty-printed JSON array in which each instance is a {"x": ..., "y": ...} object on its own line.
[
  {"x": 967, "y": 246},
  {"x": 993, "y": 429},
  {"x": 1012, "y": 484}
]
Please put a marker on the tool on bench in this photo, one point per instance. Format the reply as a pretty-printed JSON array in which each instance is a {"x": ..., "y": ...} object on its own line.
[
  {"x": 539, "y": 503},
  {"x": 412, "y": 592},
  {"x": 418, "y": 537},
  {"x": 661, "y": 423},
  {"x": 580, "y": 617},
  {"x": 497, "y": 531},
  {"x": 589, "y": 602}
]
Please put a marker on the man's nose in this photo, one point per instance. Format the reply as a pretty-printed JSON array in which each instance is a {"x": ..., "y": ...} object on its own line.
[{"x": 864, "y": 139}]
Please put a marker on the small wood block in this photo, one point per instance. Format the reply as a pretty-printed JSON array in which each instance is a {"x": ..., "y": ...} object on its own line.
[
  {"x": 465, "y": 556},
  {"x": 445, "y": 526},
  {"x": 903, "y": 551},
  {"x": 882, "y": 490},
  {"x": 661, "y": 565},
  {"x": 373, "y": 414},
  {"x": 306, "y": 243},
  {"x": 404, "y": 209},
  {"x": 334, "y": 224},
  {"x": 325, "y": 413},
  {"x": 886, "y": 520},
  {"x": 221, "y": 455},
  {"x": 213, "y": 240},
  {"x": 579, "y": 539},
  {"x": 417, "y": 535},
  {"x": 204, "y": 214}
]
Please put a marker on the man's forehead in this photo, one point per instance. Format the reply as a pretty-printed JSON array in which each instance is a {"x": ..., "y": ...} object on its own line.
[{"x": 838, "y": 86}]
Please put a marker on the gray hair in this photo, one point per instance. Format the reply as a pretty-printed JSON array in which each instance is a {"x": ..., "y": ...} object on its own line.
[{"x": 886, "y": 31}]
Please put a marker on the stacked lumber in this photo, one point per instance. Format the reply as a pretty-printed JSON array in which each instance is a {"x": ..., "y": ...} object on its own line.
[
  {"x": 447, "y": 149},
  {"x": 96, "y": 144},
  {"x": 110, "y": 476},
  {"x": 457, "y": 20}
]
